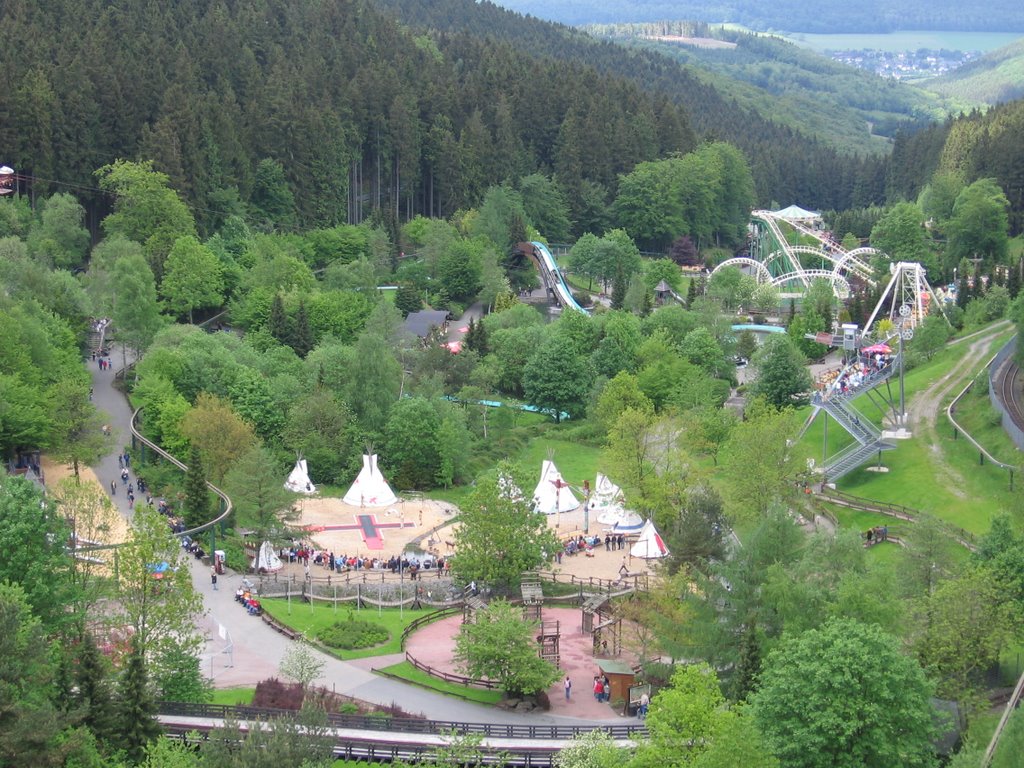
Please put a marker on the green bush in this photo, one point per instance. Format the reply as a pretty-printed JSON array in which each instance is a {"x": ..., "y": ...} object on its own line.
[{"x": 352, "y": 634}]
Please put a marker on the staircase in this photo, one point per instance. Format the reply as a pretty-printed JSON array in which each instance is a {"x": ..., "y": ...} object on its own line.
[{"x": 868, "y": 437}]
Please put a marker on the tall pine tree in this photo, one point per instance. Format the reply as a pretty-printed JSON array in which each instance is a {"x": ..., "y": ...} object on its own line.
[
  {"x": 93, "y": 696},
  {"x": 136, "y": 707},
  {"x": 302, "y": 339},
  {"x": 277, "y": 324},
  {"x": 197, "y": 497},
  {"x": 618, "y": 289}
]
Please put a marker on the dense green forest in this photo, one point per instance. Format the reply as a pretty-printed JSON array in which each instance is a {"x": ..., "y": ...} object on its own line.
[
  {"x": 353, "y": 111},
  {"x": 791, "y": 15}
]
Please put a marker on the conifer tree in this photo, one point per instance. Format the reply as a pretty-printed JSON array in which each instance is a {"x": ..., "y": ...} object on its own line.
[
  {"x": 618, "y": 289},
  {"x": 646, "y": 305},
  {"x": 1013, "y": 280},
  {"x": 963, "y": 292},
  {"x": 197, "y": 498},
  {"x": 481, "y": 339},
  {"x": 302, "y": 340},
  {"x": 94, "y": 697},
  {"x": 277, "y": 324},
  {"x": 691, "y": 293},
  {"x": 407, "y": 299},
  {"x": 136, "y": 707}
]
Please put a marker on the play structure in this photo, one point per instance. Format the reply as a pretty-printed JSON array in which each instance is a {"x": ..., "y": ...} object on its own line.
[
  {"x": 370, "y": 489},
  {"x": 298, "y": 480},
  {"x": 604, "y": 627}
]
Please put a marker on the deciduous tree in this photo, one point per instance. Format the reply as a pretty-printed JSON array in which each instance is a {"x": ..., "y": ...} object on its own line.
[
  {"x": 499, "y": 537},
  {"x": 844, "y": 695},
  {"x": 500, "y": 644}
]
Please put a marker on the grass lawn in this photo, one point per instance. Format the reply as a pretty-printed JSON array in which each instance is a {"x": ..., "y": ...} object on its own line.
[
  {"x": 407, "y": 671},
  {"x": 575, "y": 461},
  {"x": 311, "y": 619},
  {"x": 233, "y": 696},
  {"x": 975, "y": 414},
  {"x": 968, "y": 500}
]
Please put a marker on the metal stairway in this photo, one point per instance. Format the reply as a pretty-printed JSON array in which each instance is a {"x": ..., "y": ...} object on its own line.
[{"x": 867, "y": 437}]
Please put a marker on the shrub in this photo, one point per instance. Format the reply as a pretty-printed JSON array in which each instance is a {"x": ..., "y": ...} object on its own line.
[
  {"x": 352, "y": 634},
  {"x": 274, "y": 694}
]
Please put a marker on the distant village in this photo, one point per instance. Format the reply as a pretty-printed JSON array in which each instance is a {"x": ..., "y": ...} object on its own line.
[{"x": 906, "y": 65}]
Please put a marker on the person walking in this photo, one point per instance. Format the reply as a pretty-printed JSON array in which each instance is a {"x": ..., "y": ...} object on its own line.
[
  {"x": 213, "y": 577},
  {"x": 568, "y": 687}
]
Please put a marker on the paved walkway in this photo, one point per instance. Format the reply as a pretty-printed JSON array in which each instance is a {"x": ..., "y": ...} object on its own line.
[{"x": 241, "y": 649}]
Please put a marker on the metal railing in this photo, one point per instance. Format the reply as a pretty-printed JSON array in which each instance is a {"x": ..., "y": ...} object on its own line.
[
  {"x": 406, "y": 725},
  {"x": 983, "y": 454}
]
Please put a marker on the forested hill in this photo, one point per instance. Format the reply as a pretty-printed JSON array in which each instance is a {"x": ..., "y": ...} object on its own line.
[
  {"x": 787, "y": 163},
  {"x": 996, "y": 77},
  {"x": 822, "y": 16},
  {"x": 358, "y": 111},
  {"x": 975, "y": 146}
]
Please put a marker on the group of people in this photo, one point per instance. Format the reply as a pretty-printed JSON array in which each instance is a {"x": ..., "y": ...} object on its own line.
[
  {"x": 248, "y": 601},
  {"x": 587, "y": 544},
  {"x": 301, "y": 553}
]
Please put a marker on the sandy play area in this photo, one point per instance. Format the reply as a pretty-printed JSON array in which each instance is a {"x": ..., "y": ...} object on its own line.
[
  {"x": 108, "y": 528},
  {"x": 337, "y": 527},
  {"x": 376, "y": 531}
]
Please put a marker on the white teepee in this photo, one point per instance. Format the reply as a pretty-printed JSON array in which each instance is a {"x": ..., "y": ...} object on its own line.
[
  {"x": 370, "y": 489},
  {"x": 606, "y": 500},
  {"x": 298, "y": 481},
  {"x": 627, "y": 522},
  {"x": 552, "y": 493},
  {"x": 266, "y": 560},
  {"x": 649, "y": 546}
]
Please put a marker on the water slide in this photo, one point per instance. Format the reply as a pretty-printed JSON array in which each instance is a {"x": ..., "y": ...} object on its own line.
[{"x": 553, "y": 277}]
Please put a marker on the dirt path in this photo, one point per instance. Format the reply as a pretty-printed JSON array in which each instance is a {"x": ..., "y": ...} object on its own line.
[{"x": 926, "y": 405}]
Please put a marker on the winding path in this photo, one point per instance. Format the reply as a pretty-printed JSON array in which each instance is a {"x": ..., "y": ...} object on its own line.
[{"x": 927, "y": 404}]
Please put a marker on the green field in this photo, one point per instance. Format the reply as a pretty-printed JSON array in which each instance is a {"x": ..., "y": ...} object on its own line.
[
  {"x": 310, "y": 619},
  {"x": 958, "y": 489},
  {"x": 233, "y": 696}
]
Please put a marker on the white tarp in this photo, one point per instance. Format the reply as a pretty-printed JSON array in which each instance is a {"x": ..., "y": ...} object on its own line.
[
  {"x": 298, "y": 481},
  {"x": 370, "y": 489}
]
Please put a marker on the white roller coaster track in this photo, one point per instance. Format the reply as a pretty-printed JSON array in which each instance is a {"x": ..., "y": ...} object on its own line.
[{"x": 787, "y": 259}]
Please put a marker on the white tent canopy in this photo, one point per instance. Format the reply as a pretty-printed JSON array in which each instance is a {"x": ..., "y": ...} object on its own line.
[
  {"x": 370, "y": 489},
  {"x": 266, "y": 560},
  {"x": 552, "y": 494},
  {"x": 607, "y": 501},
  {"x": 627, "y": 522},
  {"x": 298, "y": 481},
  {"x": 649, "y": 545}
]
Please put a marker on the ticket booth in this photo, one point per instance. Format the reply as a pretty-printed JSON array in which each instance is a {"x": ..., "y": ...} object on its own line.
[
  {"x": 620, "y": 677},
  {"x": 218, "y": 560}
]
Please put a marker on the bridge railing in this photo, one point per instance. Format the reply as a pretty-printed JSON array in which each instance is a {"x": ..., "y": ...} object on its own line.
[{"x": 403, "y": 724}]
